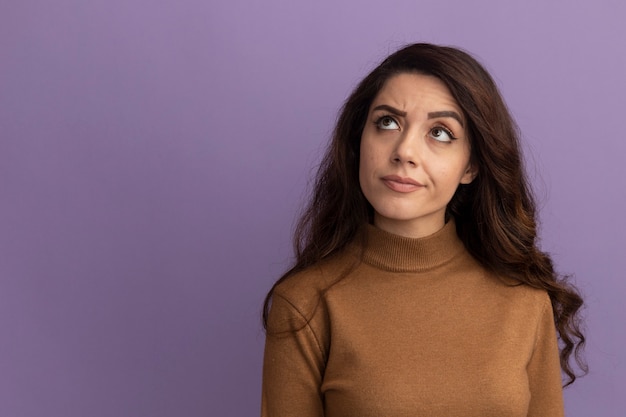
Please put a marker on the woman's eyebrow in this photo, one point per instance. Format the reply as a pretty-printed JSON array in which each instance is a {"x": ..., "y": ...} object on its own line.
[
  {"x": 446, "y": 113},
  {"x": 432, "y": 115},
  {"x": 390, "y": 109}
]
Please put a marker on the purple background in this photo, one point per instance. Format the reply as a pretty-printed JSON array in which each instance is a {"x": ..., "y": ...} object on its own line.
[{"x": 154, "y": 154}]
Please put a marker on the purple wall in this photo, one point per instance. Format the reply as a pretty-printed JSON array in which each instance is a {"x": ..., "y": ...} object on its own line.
[{"x": 153, "y": 156}]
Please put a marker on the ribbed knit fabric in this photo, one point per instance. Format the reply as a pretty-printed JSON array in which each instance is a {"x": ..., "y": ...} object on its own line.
[{"x": 409, "y": 327}]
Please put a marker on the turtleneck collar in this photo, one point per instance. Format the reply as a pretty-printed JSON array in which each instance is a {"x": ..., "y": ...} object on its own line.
[{"x": 396, "y": 253}]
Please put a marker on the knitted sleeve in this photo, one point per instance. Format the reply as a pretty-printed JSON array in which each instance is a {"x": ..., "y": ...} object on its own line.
[
  {"x": 293, "y": 364},
  {"x": 544, "y": 369}
]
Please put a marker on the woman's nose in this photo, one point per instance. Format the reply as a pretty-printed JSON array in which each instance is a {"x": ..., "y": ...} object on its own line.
[{"x": 407, "y": 150}]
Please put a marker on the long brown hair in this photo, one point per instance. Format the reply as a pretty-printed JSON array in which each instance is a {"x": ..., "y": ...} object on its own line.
[{"x": 495, "y": 214}]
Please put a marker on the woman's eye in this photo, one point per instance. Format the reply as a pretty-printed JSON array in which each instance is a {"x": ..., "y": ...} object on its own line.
[
  {"x": 441, "y": 134},
  {"x": 387, "y": 123}
]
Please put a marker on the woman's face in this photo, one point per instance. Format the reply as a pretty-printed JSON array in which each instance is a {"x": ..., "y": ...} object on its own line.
[{"x": 414, "y": 154}]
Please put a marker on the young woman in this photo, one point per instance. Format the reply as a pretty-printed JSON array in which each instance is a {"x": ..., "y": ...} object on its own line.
[{"x": 418, "y": 288}]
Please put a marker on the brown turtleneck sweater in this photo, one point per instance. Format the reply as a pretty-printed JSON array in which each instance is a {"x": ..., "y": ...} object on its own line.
[{"x": 417, "y": 328}]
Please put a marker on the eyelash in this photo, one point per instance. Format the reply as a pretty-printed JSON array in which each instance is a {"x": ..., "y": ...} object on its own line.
[
  {"x": 379, "y": 120},
  {"x": 446, "y": 130}
]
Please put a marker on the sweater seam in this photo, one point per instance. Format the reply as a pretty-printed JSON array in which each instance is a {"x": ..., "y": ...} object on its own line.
[
  {"x": 307, "y": 324},
  {"x": 538, "y": 326}
]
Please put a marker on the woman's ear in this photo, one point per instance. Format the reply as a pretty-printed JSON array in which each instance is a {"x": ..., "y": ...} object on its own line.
[{"x": 470, "y": 174}]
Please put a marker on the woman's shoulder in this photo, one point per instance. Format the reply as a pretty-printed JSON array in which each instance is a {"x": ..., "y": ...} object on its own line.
[
  {"x": 298, "y": 301},
  {"x": 518, "y": 294},
  {"x": 474, "y": 275},
  {"x": 307, "y": 285}
]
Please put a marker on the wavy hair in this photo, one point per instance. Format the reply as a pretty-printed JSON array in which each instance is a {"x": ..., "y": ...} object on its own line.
[{"x": 495, "y": 214}]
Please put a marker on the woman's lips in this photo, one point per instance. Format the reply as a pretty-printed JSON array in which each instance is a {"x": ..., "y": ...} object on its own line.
[{"x": 401, "y": 184}]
